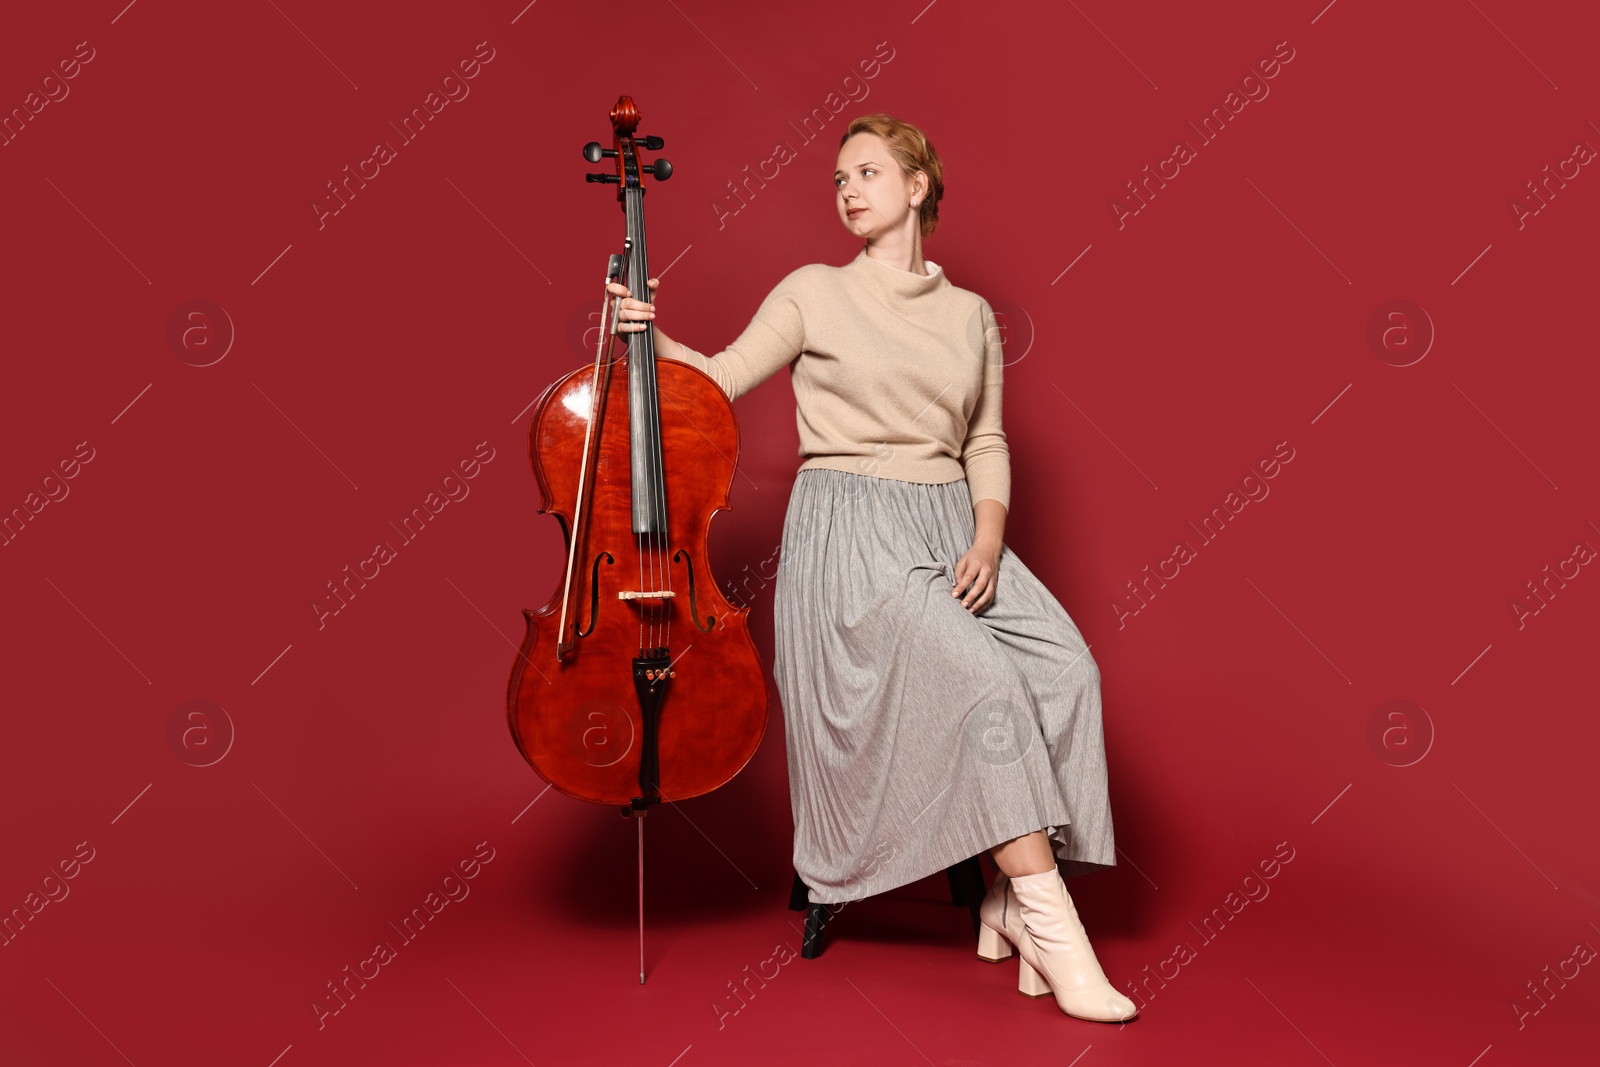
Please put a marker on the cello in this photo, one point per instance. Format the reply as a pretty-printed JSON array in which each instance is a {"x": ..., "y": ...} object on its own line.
[{"x": 638, "y": 682}]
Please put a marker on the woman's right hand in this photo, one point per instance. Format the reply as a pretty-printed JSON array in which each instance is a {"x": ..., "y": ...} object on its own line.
[{"x": 633, "y": 315}]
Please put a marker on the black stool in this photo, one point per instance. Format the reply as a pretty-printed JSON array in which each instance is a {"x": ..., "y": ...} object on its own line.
[{"x": 967, "y": 890}]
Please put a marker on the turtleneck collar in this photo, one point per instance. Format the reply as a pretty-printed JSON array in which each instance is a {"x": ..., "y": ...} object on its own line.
[{"x": 903, "y": 282}]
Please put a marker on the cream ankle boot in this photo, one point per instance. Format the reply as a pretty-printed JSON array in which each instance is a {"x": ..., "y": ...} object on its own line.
[{"x": 1035, "y": 913}]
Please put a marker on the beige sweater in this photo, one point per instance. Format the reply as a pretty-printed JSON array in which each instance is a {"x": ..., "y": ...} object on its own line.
[{"x": 895, "y": 375}]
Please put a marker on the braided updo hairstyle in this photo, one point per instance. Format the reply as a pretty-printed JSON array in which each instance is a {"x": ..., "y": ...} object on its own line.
[{"x": 914, "y": 152}]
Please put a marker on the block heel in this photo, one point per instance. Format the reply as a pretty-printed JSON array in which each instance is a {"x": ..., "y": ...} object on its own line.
[
  {"x": 992, "y": 945},
  {"x": 1030, "y": 983}
]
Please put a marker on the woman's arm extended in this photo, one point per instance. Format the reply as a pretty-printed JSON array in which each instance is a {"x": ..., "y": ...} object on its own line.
[{"x": 775, "y": 336}]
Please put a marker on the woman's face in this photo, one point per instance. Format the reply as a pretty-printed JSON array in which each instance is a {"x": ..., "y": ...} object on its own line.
[{"x": 873, "y": 195}]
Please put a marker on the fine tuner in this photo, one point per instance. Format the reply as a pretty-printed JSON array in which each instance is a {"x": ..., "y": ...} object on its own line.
[{"x": 661, "y": 169}]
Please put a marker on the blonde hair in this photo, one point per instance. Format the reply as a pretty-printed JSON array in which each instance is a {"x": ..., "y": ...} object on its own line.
[{"x": 913, "y": 152}]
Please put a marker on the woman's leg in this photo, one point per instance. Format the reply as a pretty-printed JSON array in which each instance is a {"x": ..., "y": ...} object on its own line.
[
  {"x": 1045, "y": 929},
  {"x": 1025, "y": 855}
]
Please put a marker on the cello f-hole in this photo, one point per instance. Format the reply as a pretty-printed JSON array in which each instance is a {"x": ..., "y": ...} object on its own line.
[
  {"x": 694, "y": 612},
  {"x": 594, "y": 594}
]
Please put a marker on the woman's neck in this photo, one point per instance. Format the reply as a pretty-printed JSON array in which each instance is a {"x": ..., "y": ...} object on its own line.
[{"x": 900, "y": 256}]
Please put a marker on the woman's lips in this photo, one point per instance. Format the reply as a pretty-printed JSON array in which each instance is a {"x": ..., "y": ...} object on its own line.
[{"x": 853, "y": 212}]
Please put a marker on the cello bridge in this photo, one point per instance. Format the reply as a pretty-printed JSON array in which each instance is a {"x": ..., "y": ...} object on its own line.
[{"x": 658, "y": 594}]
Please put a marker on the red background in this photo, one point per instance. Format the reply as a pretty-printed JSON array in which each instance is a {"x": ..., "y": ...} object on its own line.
[{"x": 370, "y": 756}]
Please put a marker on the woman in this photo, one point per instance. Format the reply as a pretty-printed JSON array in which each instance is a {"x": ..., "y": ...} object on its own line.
[{"x": 937, "y": 699}]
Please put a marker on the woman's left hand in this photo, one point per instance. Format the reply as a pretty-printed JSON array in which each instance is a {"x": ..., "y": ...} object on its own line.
[{"x": 975, "y": 577}]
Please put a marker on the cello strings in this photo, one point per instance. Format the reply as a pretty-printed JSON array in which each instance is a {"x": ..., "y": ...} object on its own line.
[
  {"x": 656, "y": 543},
  {"x": 629, "y": 244},
  {"x": 649, "y": 608},
  {"x": 659, "y": 570},
  {"x": 661, "y": 492},
  {"x": 639, "y": 537},
  {"x": 661, "y": 534}
]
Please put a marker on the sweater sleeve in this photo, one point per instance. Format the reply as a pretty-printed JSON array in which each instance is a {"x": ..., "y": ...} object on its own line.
[
  {"x": 775, "y": 336},
  {"x": 984, "y": 454}
]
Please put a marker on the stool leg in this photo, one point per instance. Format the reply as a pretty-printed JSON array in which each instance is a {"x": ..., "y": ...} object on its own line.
[
  {"x": 799, "y": 895},
  {"x": 967, "y": 888},
  {"x": 958, "y": 884},
  {"x": 817, "y": 916},
  {"x": 967, "y": 884}
]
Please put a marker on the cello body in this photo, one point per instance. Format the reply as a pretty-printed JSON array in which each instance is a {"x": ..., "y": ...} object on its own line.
[{"x": 580, "y": 718}]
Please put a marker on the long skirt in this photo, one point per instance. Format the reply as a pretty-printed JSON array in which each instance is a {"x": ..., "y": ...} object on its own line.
[{"x": 920, "y": 734}]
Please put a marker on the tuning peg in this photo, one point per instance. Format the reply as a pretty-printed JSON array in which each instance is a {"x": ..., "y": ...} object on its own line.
[
  {"x": 594, "y": 153},
  {"x": 612, "y": 178},
  {"x": 654, "y": 144},
  {"x": 660, "y": 168}
]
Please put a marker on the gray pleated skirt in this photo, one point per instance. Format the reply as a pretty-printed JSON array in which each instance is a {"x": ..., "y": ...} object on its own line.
[{"x": 920, "y": 734}]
